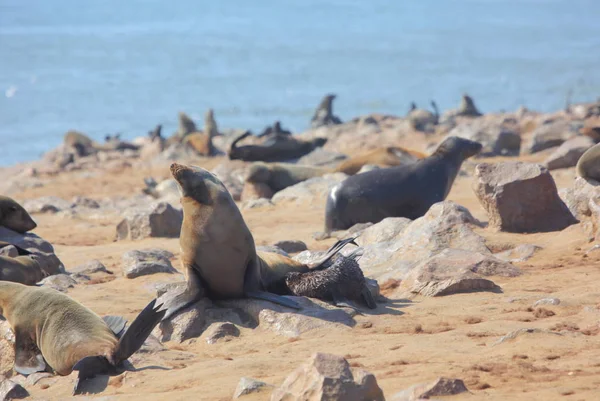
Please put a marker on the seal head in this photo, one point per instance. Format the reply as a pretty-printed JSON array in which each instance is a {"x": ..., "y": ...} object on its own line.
[{"x": 14, "y": 216}]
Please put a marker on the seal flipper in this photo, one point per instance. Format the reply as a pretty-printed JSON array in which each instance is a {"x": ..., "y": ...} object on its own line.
[
  {"x": 276, "y": 299},
  {"x": 116, "y": 324},
  {"x": 367, "y": 296},
  {"x": 140, "y": 329},
  {"x": 331, "y": 252},
  {"x": 89, "y": 367},
  {"x": 28, "y": 357},
  {"x": 193, "y": 292}
]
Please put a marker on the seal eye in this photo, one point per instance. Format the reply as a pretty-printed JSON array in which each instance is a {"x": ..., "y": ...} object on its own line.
[{"x": 13, "y": 208}]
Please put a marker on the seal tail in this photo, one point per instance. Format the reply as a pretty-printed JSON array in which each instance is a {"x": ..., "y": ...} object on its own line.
[
  {"x": 140, "y": 329},
  {"x": 322, "y": 264}
]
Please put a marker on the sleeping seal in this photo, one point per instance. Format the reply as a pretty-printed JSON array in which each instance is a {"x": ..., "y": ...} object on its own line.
[
  {"x": 53, "y": 331},
  {"x": 402, "y": 191}
]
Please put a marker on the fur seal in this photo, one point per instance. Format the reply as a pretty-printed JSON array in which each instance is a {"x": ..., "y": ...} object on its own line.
[
  {"x": 13, "y": 216},
  {"x": 423, "y": 120},
  {"x": 274, "y": 129},
  {"x": 467, "y": 107},
  {"x": 210, "y": 124},
  {"x": 218, "y": 254},
  {"x": 402, "y": 191},
  {"x": 277, "y": 148},
  {"x": 279, "y": 176},
  {"x": 54, "y": 331},
  {"x": 186, "y": 126},
  {"x": 387, "y": 156},
  {"x": 84, "y": 146},
  {"x": 324, "y": 113},
  {"x": 588, "y": 165},
  {"x": 26, "y": 269},
  {"x": 340, "y": 283}
]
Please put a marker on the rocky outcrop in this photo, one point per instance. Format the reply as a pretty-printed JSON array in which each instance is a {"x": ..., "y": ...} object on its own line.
[
  {"x": 328, "y": 377},
  {"x": 157, "y": 220},
  {"x": 520, "y": 197},
  {"x": 145, "y": 262}
]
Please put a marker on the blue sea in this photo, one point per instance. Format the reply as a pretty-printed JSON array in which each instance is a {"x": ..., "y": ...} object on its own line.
[{"x": 106, "y": 66}]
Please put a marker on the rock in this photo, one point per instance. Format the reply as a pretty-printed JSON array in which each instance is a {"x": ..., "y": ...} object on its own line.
[
  {"x": 497, "y": 140},
  {"x": 232, "y": 174},
  {"x": 550, "y": 135},
  {"x": 520, "y": 253},
  {"x": 91, "y": 267},
  {"x": 46, "y": 204},
  {"x": 454, "y": 271},
  {"x": 517, "y": 333},
  {"x": 440, "y": 387},
  {"x": 567, "y": 154},
  {"x": 520, "y": 197},
  {"x": 10, "y": 251},
  {"x": 248, "y": 386},
  {"x": 9, "y": 390},
  {"x": 145, "y": 262},
  {"x": 273, "y": 249},
  {"x": 322, "y": 157},
  {"x": 593, "y": 226},
  {"x": 27, "y": 241},
  {"x": 328, "y": 377},
  {"x": 59, "y": 282},
  {"x": 218, "y": 331},
  {"x": 257, "y": 203},
  {"x": 313, "y": 189},
  {"x": 546, "y": 301},
  {"x": 256, "y": 190},
  {"x": 158, "y": 220},
  {"x": 81, "y": 201},
  {"x": 577, "y": 198},
  {"x": 445, "y": 225},
  {"x": 386, "y": 230},
  {"x": 291, "y": 246}
]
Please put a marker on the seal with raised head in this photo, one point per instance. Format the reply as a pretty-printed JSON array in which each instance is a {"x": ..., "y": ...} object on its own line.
[
  {"x": 387, "y": 156},
  {"x": 588, "y": 165},
  {"x": 13, "y": 216},
  {"x": 402, "y": 191},
  {"x": 467, "y": 107},
  {"x": 218, "y": 254},
  {"x": 55, "y": 332},
  {"x": 324, "y": 113}
]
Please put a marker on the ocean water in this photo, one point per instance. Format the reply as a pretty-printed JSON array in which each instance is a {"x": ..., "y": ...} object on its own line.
[{"x": 105, "y": 66}]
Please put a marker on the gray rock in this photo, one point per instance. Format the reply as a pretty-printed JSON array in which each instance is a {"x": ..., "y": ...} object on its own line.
[
  {"x": 577, "y": 198},
  {"x": 322, "y": 157},
  {"x": 81, "y": 201},
  {"x": 248, "y": 386},
  {"x": 520, "y": 197},
  {"x": 546, "y": 301},
  {"x": 27, "y": 241},
  {"x": 440, "y": 387},
  {"x": 232, "y": 174},
  {"x": 328, "y": 377},
  {"x": 520, "y": 253},
  {"x": 257, "y": 203},
  {"x": 272, "y": 249},
  {"x": 91, "y": 267},
  {"x": 520, "y": 332},
  {"x": 46, "y": 204},
  {"x": 145, "y": 262},
  {"x": 453, "y": 271},
  {"x": 59, "y": 282},
  {"x": 549, "y": 135},
  {"x": 567, "y": 154},
  {"x": 386, "y": 230},
  {"x": 219, "y": 331},
  {"x": 158, "y": 220},
  {"x": 10, "y": 251},
  {"x": 313, "y": 189},
  {"x": 291, "y": 246},
  {"x": 497, "y": 140},
  {"x": 9, "y": 390}
]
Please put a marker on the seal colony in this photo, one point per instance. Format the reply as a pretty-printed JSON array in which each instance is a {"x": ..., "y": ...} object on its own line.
[
  {"x": 54, "y": 332},
  {"x": 403, "y": 191}
]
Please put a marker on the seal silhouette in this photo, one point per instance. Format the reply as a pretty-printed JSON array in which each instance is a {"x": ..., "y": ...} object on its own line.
[
  {"x": 53, "y": 331},
  {"x": 402, "y": 191}
]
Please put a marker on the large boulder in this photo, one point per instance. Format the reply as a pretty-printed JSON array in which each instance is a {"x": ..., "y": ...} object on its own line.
[
  {"x": 549, "y": 135},
  {"x": 328, "y": 377},
  {"x": 157, "y": 220},
  {"x": 313, "y": 189},
  {"x": 520, "y": 197},
  {"x": 148, "y": 261},
  {"x": 453, "y": 271},
  {"x": 567, "y": 154}
]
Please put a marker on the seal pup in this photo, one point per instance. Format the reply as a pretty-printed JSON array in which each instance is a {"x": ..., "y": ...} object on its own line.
[
  {"x": 324, "y": 113},
  {"x": 386, "y": 156},
  {"x": 402, "y": 191},
  {"x": 218, "y": 254},
  {"x": 588, "y": 165},
  {"x": 14, "y": 217},
  {"x": 276, "y": 148},
  {"x": 342, "y": 282},
  {"x": 53, "y": 331}
]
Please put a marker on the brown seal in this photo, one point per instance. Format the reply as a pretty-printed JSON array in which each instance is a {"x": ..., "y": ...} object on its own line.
[
  {"x": 402, "y": 191},
  {"x": 588, "y": 165},
  {"x": 56, "y": 332},
  {"x": 387, "y": 156},
  {"x": 278, "y": 176},
  {"x": 324, "y": 113},
  {"x": 277, "y": 148},
  {"x": 24, "y": 269},
  {"x": 467, "y": 107},
  {"x": 218, "y": 254},
  {"x": 85, "y": 146},
  {"x": 13, "y": 216}
]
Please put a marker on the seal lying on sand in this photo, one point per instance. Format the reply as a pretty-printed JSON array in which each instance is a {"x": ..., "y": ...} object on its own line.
[
  {"x": 279, "y": 148},
  {"x": 403, "y": 191},
  {"x": 387, "y": 156},
  {"x": 14, "y": 216},
  {"x": 218, "y": 253},
  {"x": 588, "y": 165},
  {"x": 54, "y": 331}
]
